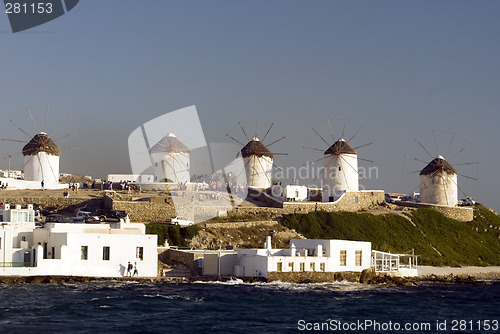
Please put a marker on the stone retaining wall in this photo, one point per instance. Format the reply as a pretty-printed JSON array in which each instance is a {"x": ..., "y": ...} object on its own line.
[
  {"x": 463, "y": 214},
  {"x": 313, "y": 277},
  {"x": 350, "y": 201},
  {"x": 171, "y": 256},
  {"x": 59, "y": 202}
]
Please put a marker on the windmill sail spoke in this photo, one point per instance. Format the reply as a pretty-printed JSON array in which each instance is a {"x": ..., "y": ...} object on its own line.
[
  {"x": 460, "y": 151},
  {"x": 323, "y": 139},
  {"x": 20, "y": 129},
  {"x": 435, "y": 142},
  {"x": 58, "y": 125},
  {"x": 244, "y": 132},
  {"x": 409, "y": 157},
  {"x": 67, "y": 135},
  {"x": 274, "y": 142},
  {"x": 367, "y": 160},
  {"x": 354, "y": 135},
  {"x": 331, "y": 130},
  {"x": 467, "y": 177},
  {"x": 311, "y": 148},
  {"x": 46, "y": 120},
  {"x": 263, "y": 138},
  {"x": 451, "y": 142},
  {"x": 32, "y": 119},
  {"x": 235, "y": 140},
  {"x": 422, "y": 146},
  {"x": 343, "y": 130},
  {"x": 467, "y": 163},
  {"x": 355, "y": 148}
]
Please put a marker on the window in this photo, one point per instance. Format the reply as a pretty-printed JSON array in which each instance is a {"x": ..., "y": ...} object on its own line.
[
  {"x": 358, "y": 256},
  {"x": 44, "y": 250},
  {"x": 312, "y": 266},
  {"x": 139, "y": 252},
  {"x": 279, "y": 267},
  {"x": 23, "y": 238},
  {"x": 53, "y": 252},
  {"x": 302, "y": 266},
  {"x": 322, "y": 266},
  {"x": 290, "y": 265},
  {"x": 84, "y": 253},
  {"x": 105, "y": 253},
  {"x": 340, "y": 168},
  {"x": 343, "y": 258}
]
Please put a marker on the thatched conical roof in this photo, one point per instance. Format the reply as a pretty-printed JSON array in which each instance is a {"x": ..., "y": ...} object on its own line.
[
  {"x": 41, "y": 142},
  {"x": 169, "y": 144},
  {"x": 255, "y": 147},
  {"x": 438, "y": 165},
  {"x": 340, "y": 147}
]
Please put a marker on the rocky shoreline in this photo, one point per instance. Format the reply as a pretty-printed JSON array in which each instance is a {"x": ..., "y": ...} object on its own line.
[{"x": 367, "y": 277}]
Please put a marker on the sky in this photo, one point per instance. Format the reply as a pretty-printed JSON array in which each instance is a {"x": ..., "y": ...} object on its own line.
[{"x": 397, "y": 69}]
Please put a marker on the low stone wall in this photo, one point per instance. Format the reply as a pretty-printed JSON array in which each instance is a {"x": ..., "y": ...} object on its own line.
[
  {"x": 240, "y": 224},
  {"x": 350, "y": 201},
  {"x": 59, "y": 202},
  {"x": 463, "y": 214},
  {"x": 313, "y": 277}
]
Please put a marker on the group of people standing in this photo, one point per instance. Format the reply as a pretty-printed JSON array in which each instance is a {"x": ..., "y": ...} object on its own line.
[{"x": 132, "y": 269}]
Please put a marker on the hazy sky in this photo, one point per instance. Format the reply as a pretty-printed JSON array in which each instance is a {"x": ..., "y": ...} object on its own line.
[{"x": 399, "y": 69}]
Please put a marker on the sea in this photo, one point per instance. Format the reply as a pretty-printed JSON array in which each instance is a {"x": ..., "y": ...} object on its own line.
[{"x": 238, "y": 307}]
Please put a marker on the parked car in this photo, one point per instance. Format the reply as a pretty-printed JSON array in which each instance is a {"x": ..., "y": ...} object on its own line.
[
  {"x": 179, "y": 221},
  {"x": 55, "y": 218},
  {"x": 110, "y": 215},
  {"x": 49, "y": 210},
  {"x": 82, "y": 216}
]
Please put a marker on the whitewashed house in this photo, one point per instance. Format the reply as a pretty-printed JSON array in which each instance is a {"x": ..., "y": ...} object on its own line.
[
  {"x": 290, "y": 193},
  {"x": 304, "y": 255},
  {"x": 102, "y": 250}
]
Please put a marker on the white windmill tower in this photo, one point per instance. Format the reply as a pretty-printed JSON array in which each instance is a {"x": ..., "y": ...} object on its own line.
[
  {"x": 173, "y": 158},
  {"x": 439, "y": 178},
  {"x": 438, "y": 183},
  {"x": 41, "y": 160},
  {"x": 340, "y": 165},
  {"x": 258, "y": 159},
  {"x": 258, "y": 162},
  {"x": 340, "y": 170}
]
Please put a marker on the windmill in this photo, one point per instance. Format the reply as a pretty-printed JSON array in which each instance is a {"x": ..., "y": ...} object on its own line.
[
  {"x": 174, "y": 159},
  {"x": 340, "y": 165},
  {"x": 258, "y": 159},
  {"x": 41, "y": 154},
  {"x": 439, "y": 178}
]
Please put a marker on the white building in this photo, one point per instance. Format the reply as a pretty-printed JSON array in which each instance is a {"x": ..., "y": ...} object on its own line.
[
  {"x": 290, "y": 193},
  {"x": 438, "y": 183},
  {"x": 172, "y": 159},
  {"x": 340, "y": 172},
  {"x": 258, "y": 162},
  {"x": 304, "y": 255},
  {"x": 101, "y": 250},
  {"x": 41, "y": 160}
]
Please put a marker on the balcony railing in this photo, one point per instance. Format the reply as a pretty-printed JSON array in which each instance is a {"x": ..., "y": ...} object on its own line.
[{"x": 17, "y": 264}]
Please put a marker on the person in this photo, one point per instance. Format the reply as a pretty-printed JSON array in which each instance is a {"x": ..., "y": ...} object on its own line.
[
  {"x": 136, "y": 273},
  {"x": 129, "y": 269},
  {"x": 42, "y": 184}
]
